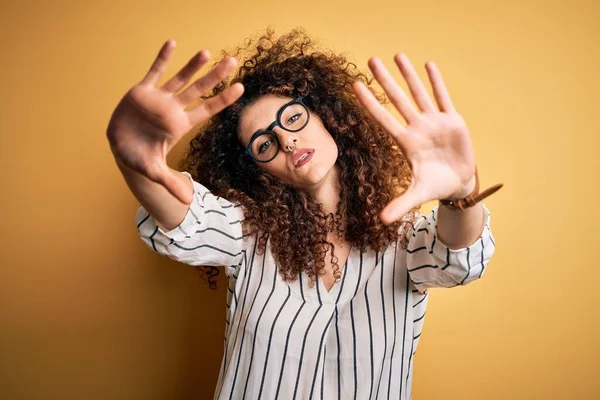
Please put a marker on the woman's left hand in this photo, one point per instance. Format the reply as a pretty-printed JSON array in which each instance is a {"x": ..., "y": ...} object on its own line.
[{"x": 435, "y": 142}]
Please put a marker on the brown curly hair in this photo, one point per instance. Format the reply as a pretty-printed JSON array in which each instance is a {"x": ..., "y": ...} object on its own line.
[{"x": 373, "y": 170}]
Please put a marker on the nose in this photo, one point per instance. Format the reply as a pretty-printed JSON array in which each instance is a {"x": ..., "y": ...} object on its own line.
[{"x": 288, "y": 140}]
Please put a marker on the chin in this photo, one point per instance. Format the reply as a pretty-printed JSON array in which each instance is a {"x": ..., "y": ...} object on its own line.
[
  {"x": 312, "y": 175},
  {"x": 317, "y": 175}
]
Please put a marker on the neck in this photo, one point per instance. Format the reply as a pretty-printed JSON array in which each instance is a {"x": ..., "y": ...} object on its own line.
[{"x": 328, "y": 193}]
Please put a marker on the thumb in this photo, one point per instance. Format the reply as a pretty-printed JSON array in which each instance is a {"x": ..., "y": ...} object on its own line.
[
  {"x": 177, "y": 187},
  {"x": 167, "y": 177},
  {"x": 400, "y": 206}
]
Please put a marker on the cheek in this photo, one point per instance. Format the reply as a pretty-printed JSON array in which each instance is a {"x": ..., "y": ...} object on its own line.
[
  {"x": 276, "y": 167},
  {"x": 332, "y": 147},
  {"x": 324, "y": 137}
]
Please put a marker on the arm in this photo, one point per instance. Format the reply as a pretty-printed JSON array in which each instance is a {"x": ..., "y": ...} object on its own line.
[
  {"x": 458, "y": 229},
  {"x": 431, "y": 263},
  {"x": 208, "y": 233}
]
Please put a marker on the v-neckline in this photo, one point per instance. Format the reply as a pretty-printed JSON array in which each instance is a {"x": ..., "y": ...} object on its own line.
[{"x": 332, "y": 294}]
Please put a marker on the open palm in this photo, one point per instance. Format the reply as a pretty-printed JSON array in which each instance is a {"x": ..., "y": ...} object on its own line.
[
  {"x": 435, "y": 142},
  {"x": 149, "y": 121}
]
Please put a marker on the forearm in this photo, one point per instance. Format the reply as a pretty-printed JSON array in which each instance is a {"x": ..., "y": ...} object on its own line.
[
  {"x": 165, "y": 208},
  {"x": 458, "y": 229}
]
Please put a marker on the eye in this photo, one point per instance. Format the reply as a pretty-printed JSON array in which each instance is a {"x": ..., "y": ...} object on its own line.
[
  {"x": 264, "y": 146},
  {"x": 294, "y": 118}
]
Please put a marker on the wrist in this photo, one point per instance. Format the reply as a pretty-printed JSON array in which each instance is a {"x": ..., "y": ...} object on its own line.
[
  {"x": 466, "y": 190},
  {"x": 469, "y": 195},
  {"x": 120, "y": 162},
  {"x": 124, "y": 168}
]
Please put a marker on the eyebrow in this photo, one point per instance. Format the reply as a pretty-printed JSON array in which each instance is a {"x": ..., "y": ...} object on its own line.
[
  {"x": 259, "y": 131},
  {"x": 254, "y": 135}
]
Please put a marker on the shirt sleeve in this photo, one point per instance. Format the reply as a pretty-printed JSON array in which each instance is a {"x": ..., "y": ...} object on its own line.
[
  {"x": 431, "y": 263},
  {"x": 210, "y": 233}
]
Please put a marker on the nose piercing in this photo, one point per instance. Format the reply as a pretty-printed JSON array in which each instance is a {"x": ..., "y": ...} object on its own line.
[{"x": 289, "y": 148}]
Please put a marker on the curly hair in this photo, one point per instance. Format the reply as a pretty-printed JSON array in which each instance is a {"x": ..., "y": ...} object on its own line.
[{"x": 373, "y": 170}]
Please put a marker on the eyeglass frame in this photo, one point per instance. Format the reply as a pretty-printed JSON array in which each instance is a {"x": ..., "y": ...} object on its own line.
[{"x": 297, "y": 100}]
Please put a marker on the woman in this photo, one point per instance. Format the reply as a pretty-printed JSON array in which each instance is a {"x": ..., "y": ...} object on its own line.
[{"x": 306, "y": 190}]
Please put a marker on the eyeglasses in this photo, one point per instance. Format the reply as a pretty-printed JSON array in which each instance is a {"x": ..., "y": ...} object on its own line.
[{"x": 264, "y": 144}]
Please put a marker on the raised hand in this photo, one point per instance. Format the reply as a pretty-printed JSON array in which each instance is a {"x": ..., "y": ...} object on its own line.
[
  {"x": 150, "y": 120},
  {"x": 435, "y": 141}
]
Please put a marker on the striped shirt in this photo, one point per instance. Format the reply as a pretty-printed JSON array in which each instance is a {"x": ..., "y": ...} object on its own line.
[{"x": 293, "y": 341}]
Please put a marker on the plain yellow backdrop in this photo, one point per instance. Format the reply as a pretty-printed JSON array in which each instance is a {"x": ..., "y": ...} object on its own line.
[{"x": 87, "y": 311}]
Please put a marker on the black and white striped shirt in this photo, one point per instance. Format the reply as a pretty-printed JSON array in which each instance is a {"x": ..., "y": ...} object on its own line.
[{"x": 291, "y": 341}]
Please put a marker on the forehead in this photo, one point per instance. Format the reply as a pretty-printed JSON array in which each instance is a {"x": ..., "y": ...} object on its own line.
[{"x": 259, "y": 115}]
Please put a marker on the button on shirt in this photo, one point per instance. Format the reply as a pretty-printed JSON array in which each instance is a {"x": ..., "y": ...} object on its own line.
[{"x": 299, "y": 341}]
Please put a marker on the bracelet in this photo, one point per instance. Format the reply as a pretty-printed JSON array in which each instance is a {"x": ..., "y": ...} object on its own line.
[{"x": 473, "y": 198}]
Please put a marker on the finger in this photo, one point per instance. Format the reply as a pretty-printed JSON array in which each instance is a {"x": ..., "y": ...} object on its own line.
[
  {"x": 397, "y": 96},
  {"x": 207, "y": 82},
  {"x": 160, "y": 64},
  {"x": 215, "y": 104},
  {"x": 439, "y": 87},
  {"x": 418, "y": 90},
  {"x": 378, "y": 111},
  {"x": 186, "y": 73},
  {"x": 400, "y": 206}
]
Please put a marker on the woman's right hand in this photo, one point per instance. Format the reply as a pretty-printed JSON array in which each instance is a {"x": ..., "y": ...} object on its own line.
[{"x": 149, "y": 121}]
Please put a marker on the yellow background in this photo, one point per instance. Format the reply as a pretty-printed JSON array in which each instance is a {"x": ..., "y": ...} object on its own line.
[{"x": 88, "y": 312}]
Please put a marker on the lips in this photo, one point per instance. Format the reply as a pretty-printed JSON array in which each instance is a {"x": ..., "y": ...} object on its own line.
[{"x": 301, "y": 153}]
